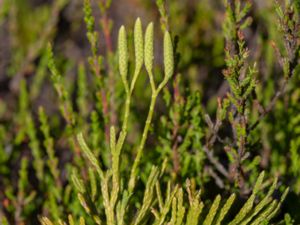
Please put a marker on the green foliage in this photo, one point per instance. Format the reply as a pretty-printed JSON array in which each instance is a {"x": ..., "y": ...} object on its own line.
[
  {"x": 191, "y": 213},
  {"x": 102, "y": 127}
]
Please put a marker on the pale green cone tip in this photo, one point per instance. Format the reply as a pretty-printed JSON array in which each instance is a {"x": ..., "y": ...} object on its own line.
[
  {"x": 123, "y": 53},
  {"x": 138, "y": 45},
  {"x": 149, "y": 48},
  {"x": 168, "y": 55}
]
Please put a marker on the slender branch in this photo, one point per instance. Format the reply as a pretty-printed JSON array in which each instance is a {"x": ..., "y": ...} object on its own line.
[
  {"x": 280, "y": 92},
  {"x": 142, "y": 143},
  {"x": 215, "y": 162},
  {"x": 269, "y": 108}
]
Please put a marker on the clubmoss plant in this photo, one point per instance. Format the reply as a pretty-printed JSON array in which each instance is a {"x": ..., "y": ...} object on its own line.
[
  {"x": 128, "y": 134},
  {"x": 116, "y": 198}
]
